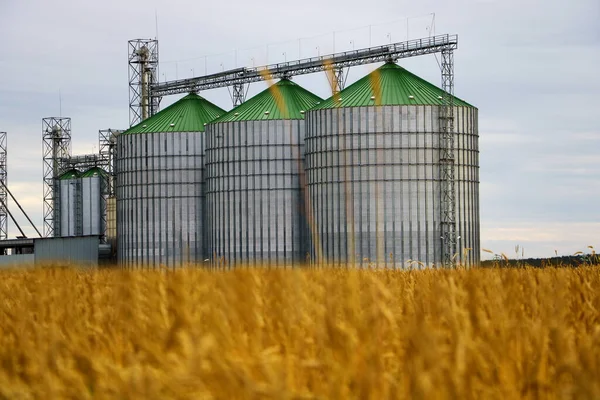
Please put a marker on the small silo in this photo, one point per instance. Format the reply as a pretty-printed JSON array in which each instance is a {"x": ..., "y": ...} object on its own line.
[
  {"x": 159, "y": 185},
  {"x": 68, "y": 204},
  {"x": 373, "y": 172},
  {"x": 254, "y": 168},
  {"x": 93, "y": 207}
]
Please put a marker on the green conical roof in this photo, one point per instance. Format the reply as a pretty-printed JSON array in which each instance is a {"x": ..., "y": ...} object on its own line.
[
  {"x": 283, "y": 100},
  {"x": 93, "y": 172},
  {"x": 70, "y": 174},
  {"x": 189, "y": 114},
  {"x": 389, "y": 85}
]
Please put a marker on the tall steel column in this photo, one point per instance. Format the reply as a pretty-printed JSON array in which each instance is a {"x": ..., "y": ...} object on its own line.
[
  {"x": 143, "y": 73},
  {"x": 447, "y": 167},
  {"x": 3, "y": 211},
  {"x": 56, "y": 147}
]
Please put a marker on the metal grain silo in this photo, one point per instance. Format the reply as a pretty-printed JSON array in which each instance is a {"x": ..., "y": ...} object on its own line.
[
  {"x": 159, "y": 188},
  {"x": 373, "y": 172},
  {"x": 68, "y": 204},
  {"x": 254, "y": 163},
  {"x": 93, "y": 201}
]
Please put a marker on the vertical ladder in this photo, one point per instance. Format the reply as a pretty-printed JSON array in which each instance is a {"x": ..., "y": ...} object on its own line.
[
  {"x": 78, "y": 208},
  {"x": 447, "y": 167}
]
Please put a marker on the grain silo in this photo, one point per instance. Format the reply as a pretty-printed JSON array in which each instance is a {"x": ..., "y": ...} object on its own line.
[
  {"x": 93, "y": 199},
  {"x": 254, "y": 167},
  {"x": 67, "y": 204},
  {"x": 159, "y": 188},
  {"x": 373, "y": 172}
]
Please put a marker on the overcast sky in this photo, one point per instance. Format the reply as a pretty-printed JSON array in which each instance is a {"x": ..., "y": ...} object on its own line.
[{"x": 531, "y": 67}]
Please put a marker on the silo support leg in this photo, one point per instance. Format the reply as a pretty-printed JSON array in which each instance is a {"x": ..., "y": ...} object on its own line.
[{"x": 239, "y": 94}]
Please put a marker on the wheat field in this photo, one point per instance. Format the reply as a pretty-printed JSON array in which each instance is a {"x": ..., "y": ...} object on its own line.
[{"x": 312, "y": 333}]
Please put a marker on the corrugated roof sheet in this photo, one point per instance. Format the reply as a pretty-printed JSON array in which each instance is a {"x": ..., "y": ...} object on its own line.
[
  {"x": 70, "y": 174},
  {"x": 189, "y": 114},
  {"x": 93, "y": 172},
  {"x": 283, "y": 100},
  {"x": 390, "y": 84}
]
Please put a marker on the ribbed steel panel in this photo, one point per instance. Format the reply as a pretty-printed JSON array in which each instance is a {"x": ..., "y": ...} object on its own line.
[
  {"x": 92, "y": 205},
  {"x": 283, "y": 100},
  {"x": 80, "y": 251},
  {"x": 188, "y": 114},
  {"x": 389, "y": 85},
  {"x": 159, "y": 194},
  {"x": 111, "y": 220},
  {"x": 374, "y": 183},
  {"x": 255, "y": 208},
  {"x": 69, "y": 194}
]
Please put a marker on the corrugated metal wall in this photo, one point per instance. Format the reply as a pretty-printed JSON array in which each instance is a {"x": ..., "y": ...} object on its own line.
[
  {"x": 255, "y": 208},
  {"x": 374, "y": 184},
  {"x": 70, "y": 195},
  {"x": 81, "y": 250},
  {"x": 160, "y": 198},
  {"x": 92, "y": 206}
]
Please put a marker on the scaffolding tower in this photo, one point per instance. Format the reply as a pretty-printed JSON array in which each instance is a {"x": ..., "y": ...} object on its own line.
[
  {"x": 107, "y": 143},
  {"x": 143, "y": 73},
  {"x": 3, "y": 185},
  {"x": 107, "y": 140},
  {"x": 56, "y": 147}
]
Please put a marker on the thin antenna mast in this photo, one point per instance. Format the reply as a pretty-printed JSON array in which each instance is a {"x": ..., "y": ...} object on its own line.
[{"x": 156, "y": 23}]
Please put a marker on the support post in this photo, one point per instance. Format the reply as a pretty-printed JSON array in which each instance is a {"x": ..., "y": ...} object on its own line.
[
  {"x": 239, "y": 94},
  {"x": 337, "y": 79}
]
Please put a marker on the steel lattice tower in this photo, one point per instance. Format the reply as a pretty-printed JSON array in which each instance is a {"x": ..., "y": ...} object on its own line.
[
  {"x": 56, "y": 148},
  {"x": 337, "y": 81},
  {"x": 3, "y": 199},
  {"x": 143, "y": 73},
  {"x": 239, "y": 94},
  {"x": 107, "y": 140},
  {"x": 447, "y": 167}
]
